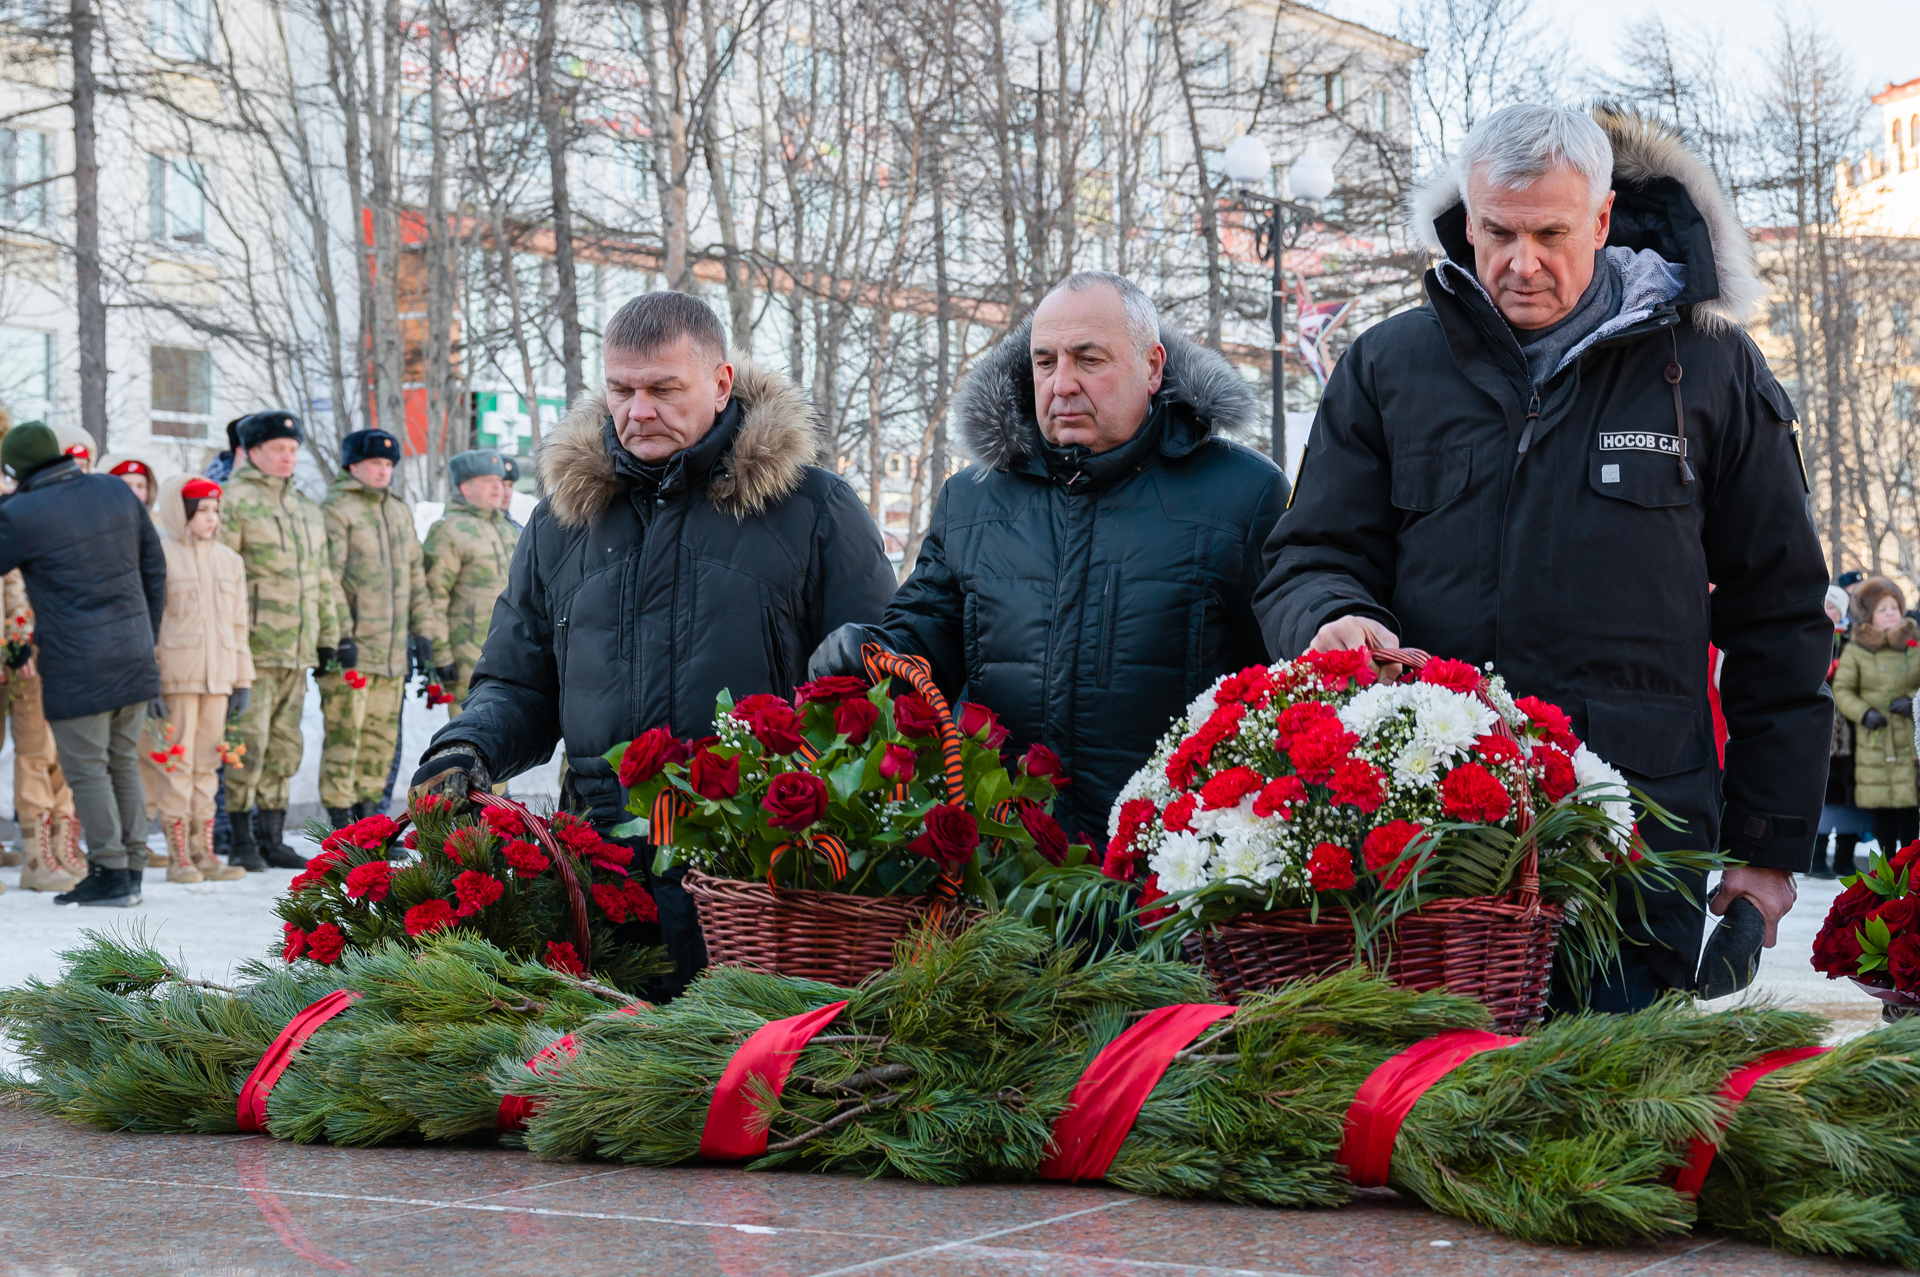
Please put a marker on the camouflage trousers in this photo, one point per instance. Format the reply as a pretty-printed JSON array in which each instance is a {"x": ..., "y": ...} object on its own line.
[
  {"x": 271, "y": 730},
  {"x": 362, "y": 729}
]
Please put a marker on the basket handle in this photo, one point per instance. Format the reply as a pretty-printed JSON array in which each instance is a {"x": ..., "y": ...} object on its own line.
[{"x": 882, "y": 664}]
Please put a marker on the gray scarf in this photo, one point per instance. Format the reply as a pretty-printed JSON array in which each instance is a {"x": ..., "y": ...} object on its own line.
[{"x": 1546, "y": 348}]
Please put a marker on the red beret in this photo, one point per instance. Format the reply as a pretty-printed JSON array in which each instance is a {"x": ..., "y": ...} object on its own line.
[
  {"x": 132, "y": 467},
  {"x": 194, "y": 489}
]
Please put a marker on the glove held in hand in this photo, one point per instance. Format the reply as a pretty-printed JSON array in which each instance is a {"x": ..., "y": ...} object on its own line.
[
  {"x": 238, "y": 700},
  {"x": 1903, "y": 706},
  {"x": 1873, "y": 719},
  {"x": 348, "y": 653}
]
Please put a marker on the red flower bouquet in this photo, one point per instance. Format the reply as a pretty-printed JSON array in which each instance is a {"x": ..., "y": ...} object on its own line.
[{"x": 1872, "y": 932}]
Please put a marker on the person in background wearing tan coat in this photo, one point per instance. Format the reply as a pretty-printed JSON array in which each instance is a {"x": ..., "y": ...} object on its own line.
[
  {"x": 1874, "y": 686},
  {"x": 206, "y": 668}
]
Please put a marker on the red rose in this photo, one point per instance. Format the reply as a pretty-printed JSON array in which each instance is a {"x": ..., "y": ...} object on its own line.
[
  {"x": 295, "y": 942},
  {"x": 1336, "y": 669},
  {"x": 1497, "y": 749},
  {"x": 897, "y": 762},
  {"x": 795, "y": 800},
  {"x": 1230, "y": 786},
  {"x": 1048, "y": 838},
  {"x": 1899, "y": 914},
  {"x": 476, "y": 891},
  {"x": 835, "y": 687},
  {"x": 1330, "y": 868},
  {"x": 643, "y": 759},
  {"x": 1252, "y": 687},
  {"x": 324, "y": 943},
  {"x": 1286, "y": 789},
  {"x": 1837, "y": 953},
  {"x": 777, "y": 728},
  {"x": 525, "y": 859},
  {"x": 428, "y": 915},
  {"x": 505, "y": 823},
  {"x": 1319, "y": 751},
  {"x": 1179, "y": 814},
  {"x": 1041, "y": 761},
  {"x": 1455, "y": 675},
  {"x": 370, "y": 881},
  {"x": 1358, "y": 783},
  {"x": 1906, "y": 855},
  {"x": 854, "y": 719},
  {"x": 1469, "y": 792},
  {"x": 561, "y": 957},
  {"x": 1903, "y": 963},
  {"x": 1384, "y": 845},
  {"x": 1556, "y": 771},
  {"x": 950, "y": 837},
  {"x": 748, "y": 708},
  {"x": 1551, "y": 720},
  {"x": 913, "y": 716},
  {"x": 976, "y": 719},
  {"x": 714, "y": 777}
]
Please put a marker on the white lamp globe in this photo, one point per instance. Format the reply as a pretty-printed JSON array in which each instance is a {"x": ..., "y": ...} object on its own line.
[
  {"x": 1311, "y": 178},
  {"x": 1247, "y": 161},
  {"x": 1037, "y": 29}
]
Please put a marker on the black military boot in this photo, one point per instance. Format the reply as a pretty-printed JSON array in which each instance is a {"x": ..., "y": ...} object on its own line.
[
  {"x": 272, "y": 850},
  {"x": 1819, "y": 868},
  {"x": 242, "y": 850},
  {"x": 103, "y": 887},
  {"x": 1843, "y": 845},
  {"x": 341, "y": 817}
]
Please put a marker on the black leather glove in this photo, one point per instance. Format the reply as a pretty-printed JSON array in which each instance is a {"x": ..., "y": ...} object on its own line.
[
  {"x": 1873, "y": 719},
  {"x": 1903, "y": 706},
  {"x": 420, "y": 649},
  {"x": 447, "y": 676},
  {"x": 839, "y": 652},
  {"x": 450, "y": 774},
  {"x": 322, "y": 658},
  {"x": 238, "y": 700},
  {"x": 157, "y": 708},
  {"x": 348, "y": 653}
]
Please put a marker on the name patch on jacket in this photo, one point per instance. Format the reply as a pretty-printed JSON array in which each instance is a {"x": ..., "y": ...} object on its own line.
[{"x": 1639, "y": 441}]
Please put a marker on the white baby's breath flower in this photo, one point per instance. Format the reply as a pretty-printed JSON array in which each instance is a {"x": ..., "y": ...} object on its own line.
[{"x": 1181, "y": 862}]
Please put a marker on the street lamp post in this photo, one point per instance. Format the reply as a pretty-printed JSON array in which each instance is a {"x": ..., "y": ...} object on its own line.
[
  {"x": 1038, "y": 30},
  {"x": 1311, "y": 179}
]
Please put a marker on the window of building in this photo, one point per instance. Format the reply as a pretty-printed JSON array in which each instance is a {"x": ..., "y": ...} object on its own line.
[
  {"x": 26, "y": 374},
  {"x": 177, "y": 199},
  {"x": 1214, "y": 63},
  {"x": 1335, "y": 86},
  {"x": 416, "y": 122},
  {"x": 24, "y": 171},
  {"x": 182, "y": 392},
  {"x": 181, "y": 29},
  {"x": 1149, "y": 41},
  {"x": 635, "y": 163},
  {"x": 1155, "y": 159},
  {"x": 24, "y": 13},
  {"x": 1382, "y": 111},
  {"x": 724, "y": 52}
]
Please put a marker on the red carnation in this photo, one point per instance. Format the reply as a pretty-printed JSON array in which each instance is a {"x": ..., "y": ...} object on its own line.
[
  {"x": 1184, "y": 764},
  {"x": 1903, "y": 963},
  {"x": 464, "y": 842},
  {"x": 1222, "y": 724},
  {"x": 1252, "y": 687},
  {"x": 1469, "y": 792},
  {"x": 1315, "y": 754},
  {"x": 913, "y": 716},
  {"x": 354, "y": 679},
  {"x": 561, "y": 957},
  {"x": 1041, "y": 761},
  {"x": 1384, "y": 845},
  {"x": 1358, "y": 783},
  {"x": 777, "y": 728},
  {"x": 975, "y": 719},
  {"x": 612, "y": 900},
  {"x": 1048, "y": 838},
  {"x": 1230, "y": 786},
  {"x": 295, "y": 942},
  {"x": 1336, "y": 669},
  {"x": 1150, "y": 892},
  {"x": 315, "y": 874},
  {"x": 1456, "y": 675},
  {"x": 504, "y": 822},
  {"x": 429, "y": 915},
  {"x": 1497, "y": 749},
  {"x": 835, "y": 687},
  {"x": 1119, "y": 863},
  {"x": 1330, "y": 868},
  {"x": 1135, "y": 815},
  {"x": 610, "y": 856},
  {"x": 370, "y": 834},
  {"x": 950, "y": 837},
  {"x": 639, "y": 902},
  {"x": 1556, "y": 770},
  {"x": 412, "y": 840},
  {"x": 714, "y": 777},
  {"x": 525, "y": 859},
  {"x": 1551, "y": 720},
  {"x": 748, "y": 708},
  {"x": 476, "y": 891},
  {"x": 370, "y": 882},
  {"x": 795, "y": 800},
  {"x": 1179, "y": 814},
  {"x": 854, "y": 719},
  {"x": 1286, "y": 789},
  {"x": 897, "y": 762},
  {"x": 645, "y": 757},
  {"x": 324, "y": 943},
  {"x": 1299, "y": 720}
]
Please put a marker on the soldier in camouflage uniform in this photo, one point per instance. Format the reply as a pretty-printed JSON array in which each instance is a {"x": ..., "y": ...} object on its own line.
[
  {"x": 293, "y": 611},
  {"x": 383, "y": 604},
  {"x": 467, "y": 554}
]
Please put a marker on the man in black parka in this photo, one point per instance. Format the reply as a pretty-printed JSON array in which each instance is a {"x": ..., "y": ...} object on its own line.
[
  {"x": 1549, "y": 464},
  {"x": 686, "y": 544},
  {"x": 1095, "y": 571}
]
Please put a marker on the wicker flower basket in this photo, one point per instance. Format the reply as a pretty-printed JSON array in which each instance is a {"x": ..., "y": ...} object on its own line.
[
  {"x": 1497, "y": 950},
  {"x": 807, "y": 935}
]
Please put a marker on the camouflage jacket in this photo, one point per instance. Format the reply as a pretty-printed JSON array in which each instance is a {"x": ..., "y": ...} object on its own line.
[
  {"x": 376, "y": 559},
  {"x": 468, "y": 551},
  {"x": 281, "y": 537}
]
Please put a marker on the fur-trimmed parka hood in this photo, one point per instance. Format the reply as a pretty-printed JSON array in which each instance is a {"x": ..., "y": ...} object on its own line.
[
  {"x": 994, "y": 404},
  {"x": 1871, "y": 637},
  {"x": 1666, "y": 199},
  {"x": 779, "y": 435}
]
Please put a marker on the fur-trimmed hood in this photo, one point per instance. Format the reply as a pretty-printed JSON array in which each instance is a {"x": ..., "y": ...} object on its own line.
[
  {"x": 994, "y": 404},
  {"x": 1666, "y": 199},
  {"x": 1871, "y": 637},
  {"x": 779, "y": 435}
]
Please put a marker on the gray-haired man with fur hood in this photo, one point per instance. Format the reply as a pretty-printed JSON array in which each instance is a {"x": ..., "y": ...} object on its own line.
[
  {"x": 1549, "y": 464},
  {"x": 1095, "y": 571},
  {"x": 686, "y": 544}
]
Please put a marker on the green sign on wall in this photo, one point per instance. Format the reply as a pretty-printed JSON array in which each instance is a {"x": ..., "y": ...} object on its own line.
[{"x": 501, "y": 420}]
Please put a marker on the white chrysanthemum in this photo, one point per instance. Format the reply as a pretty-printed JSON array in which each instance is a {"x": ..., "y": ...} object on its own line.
[
  {"x": 1371, "y": 707},
  {"x": 1231, "y": 826},
  {"x": 1417, "y": 765},
  {"x": 1246, "y": 862},
  {"x": 1181, "y": 862},
  {"x": 1202, "y": 708},
  {"x": 1448, "y": 722},
  {"x": 1614, "y": 799}
]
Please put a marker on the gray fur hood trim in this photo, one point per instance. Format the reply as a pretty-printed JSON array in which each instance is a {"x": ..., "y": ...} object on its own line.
[
  {"x": 780, "y": 434},
  {"x": 1644, "y": 149},
  {"x": 994, "y": 404}
]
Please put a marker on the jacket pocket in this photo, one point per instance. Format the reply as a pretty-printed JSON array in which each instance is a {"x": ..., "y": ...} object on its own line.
[
  {"x": 1639, "y": 476},
  {"x": 1652, "y": 738},
  {"x": 1109, "y": 625},
  {"x": 1430, "y": 481}
]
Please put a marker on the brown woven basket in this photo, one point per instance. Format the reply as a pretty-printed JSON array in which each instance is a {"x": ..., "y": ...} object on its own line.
[{"x": 808, "y": 935}]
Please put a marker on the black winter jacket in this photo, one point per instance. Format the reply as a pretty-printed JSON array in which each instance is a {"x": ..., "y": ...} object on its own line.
[
  {"x": 97, "y": 578},
  {"x": 1579, "y": 561},
  {"x": 1087, "y": 599},
  {"x": 636, "y": 594}
]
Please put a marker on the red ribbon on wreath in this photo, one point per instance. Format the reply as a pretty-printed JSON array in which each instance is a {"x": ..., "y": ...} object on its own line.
[
  {"x": 769, "y": 1055},
  {"x": 1391, "y": 1091},
  {"x": 1739, "y": 1083},
  {"x": 252, "y": 1107},
  {"x": 516, "y": 1109}
]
